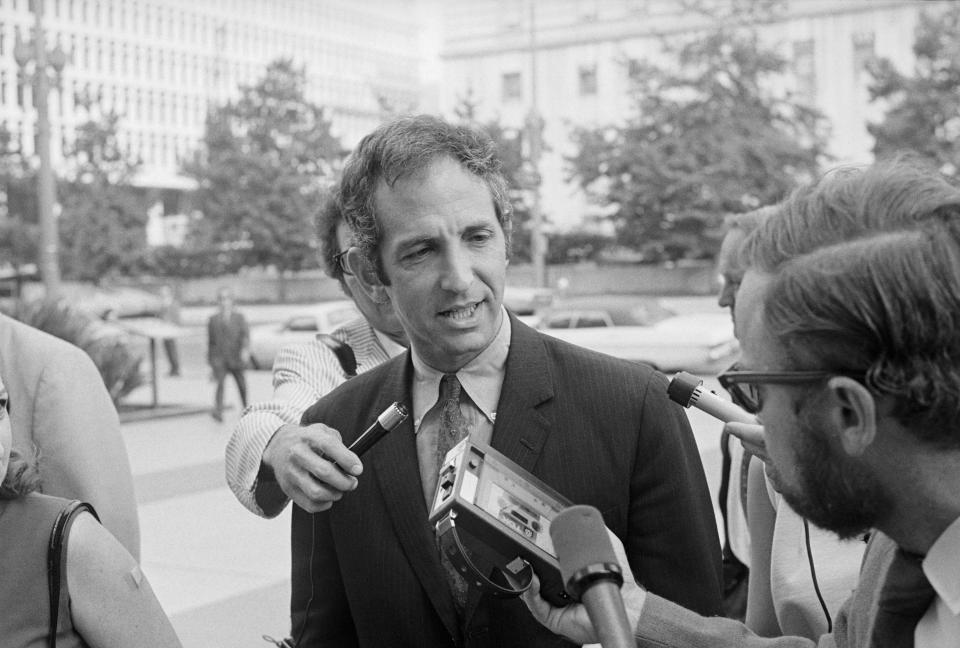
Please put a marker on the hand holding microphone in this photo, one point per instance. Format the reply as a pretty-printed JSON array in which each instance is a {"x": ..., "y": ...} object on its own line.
[
  {"x": 313, "y": 467},
  {"x": 688, "y": 390},
  {"x": 593, "y": 563}
]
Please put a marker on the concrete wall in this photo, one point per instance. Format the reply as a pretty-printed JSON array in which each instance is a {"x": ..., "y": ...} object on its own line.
[{"x": 573, "y": 279}]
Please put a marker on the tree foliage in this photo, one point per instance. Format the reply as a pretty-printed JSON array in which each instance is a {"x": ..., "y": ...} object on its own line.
[
  {"x": 266, "y": 157},
  {"x": 510, "y": 149},
  {"x": 19, "y": 227},
  {"x": 707, "y": 136},
  {"x": 923, "y": 109},
  {"x": 103, "y": 219}
]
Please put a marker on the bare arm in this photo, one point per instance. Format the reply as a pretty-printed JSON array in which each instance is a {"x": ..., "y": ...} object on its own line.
[
  {"x": 761, "y": 613},
  {"x": 112, "y": 603}
]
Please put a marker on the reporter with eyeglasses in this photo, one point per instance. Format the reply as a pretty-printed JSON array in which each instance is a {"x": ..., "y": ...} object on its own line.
[{"x": 851, "y": 360}]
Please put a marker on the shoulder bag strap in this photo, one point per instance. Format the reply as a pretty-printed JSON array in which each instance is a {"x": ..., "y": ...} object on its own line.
[
  {"x": 348, "y": 361},
  {"x": 56, "y": 560}
]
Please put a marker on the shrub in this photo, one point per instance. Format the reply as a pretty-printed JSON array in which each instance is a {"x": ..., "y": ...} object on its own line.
[{"x": 119, "y": 366}]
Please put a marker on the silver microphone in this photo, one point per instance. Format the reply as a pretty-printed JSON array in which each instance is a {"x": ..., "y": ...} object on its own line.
[{"x": 687, "y": 390}]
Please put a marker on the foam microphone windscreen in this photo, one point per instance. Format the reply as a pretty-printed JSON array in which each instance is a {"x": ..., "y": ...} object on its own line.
[{"x": 580, "y": 540}]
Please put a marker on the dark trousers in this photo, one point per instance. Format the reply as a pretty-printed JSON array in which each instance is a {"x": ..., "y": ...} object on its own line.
[
  {"x": 170, "y": 346},
  {"x": 220, "y": 374}
]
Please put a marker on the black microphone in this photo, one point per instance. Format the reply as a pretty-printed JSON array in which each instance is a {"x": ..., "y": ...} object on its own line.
[
  {"x": 391, "y": 417},
  {"x": 591, "y": 572},
  {"x": 687, "y": 390}
]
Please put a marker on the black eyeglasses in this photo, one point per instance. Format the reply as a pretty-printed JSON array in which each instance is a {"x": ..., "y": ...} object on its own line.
[
  {"x": 340, "y": 261},
  {"x": 743, "y": 386}
]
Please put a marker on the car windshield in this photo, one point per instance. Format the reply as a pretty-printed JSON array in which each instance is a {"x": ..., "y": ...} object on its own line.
[
  {"x": 588, "y": 314},
  {"x": 640, "y": 314}
]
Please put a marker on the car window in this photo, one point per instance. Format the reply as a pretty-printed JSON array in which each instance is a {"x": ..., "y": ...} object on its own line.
[
  {"x": 559, "y": 321},
  {"x": 592, "y": 319},
  {"x": 305, "y": 323},
  {"x": 338, "y": 317},
  {"x": 649, "y": 313}
]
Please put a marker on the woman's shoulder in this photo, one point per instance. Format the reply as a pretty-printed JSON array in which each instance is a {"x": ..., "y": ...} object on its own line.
[{"x": 34, "y": 506}]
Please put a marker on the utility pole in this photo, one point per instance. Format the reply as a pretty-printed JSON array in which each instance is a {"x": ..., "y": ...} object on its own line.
[
  {"x": 36, "y": 53},
  {"x": 534, "y": 128}
]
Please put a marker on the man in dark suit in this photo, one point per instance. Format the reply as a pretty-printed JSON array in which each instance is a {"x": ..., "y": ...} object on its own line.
[
  {"x": 431, "y": 219},
  {"x": 228, "y": 341},
  {"x": 850, "y": 314}
]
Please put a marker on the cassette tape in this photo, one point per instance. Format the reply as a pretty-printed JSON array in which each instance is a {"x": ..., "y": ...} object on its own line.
[{"x": 505, "y": 508}]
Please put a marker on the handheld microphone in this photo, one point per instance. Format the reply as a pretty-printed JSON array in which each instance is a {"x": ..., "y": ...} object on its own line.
[
  {"x": 390, "y": 418},
  {"x": 687, "y": 390},
  {"x": 591, "y": 572}
]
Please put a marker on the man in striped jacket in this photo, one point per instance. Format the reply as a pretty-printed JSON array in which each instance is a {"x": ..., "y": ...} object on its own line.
[{"x": 269, "y": 456}]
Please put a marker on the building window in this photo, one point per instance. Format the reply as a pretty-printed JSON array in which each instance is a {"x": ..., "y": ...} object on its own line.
[
  {"x": 511, "y": 14},
  {"x": 587, "y": 9},
  {"x": 512, "y": 85},
  {"x": 804, "y": 67},
  {"x": 863, "y": 53},
  {"x": 588, "y": 80}
]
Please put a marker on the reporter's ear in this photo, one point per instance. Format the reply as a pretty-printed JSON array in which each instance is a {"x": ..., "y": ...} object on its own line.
[
  {"x": 852, "y": 414},
  {"x": 366, "y": 276}
]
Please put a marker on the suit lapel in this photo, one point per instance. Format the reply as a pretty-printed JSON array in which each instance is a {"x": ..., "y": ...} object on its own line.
[
  {"x": 522, "y": 427},
  {"x": 397, "y": 473}
]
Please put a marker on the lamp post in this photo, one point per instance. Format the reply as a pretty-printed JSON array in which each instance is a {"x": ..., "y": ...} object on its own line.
[
  {"x": 35, "y": 64},
  {"x": 534, "y": 128}
]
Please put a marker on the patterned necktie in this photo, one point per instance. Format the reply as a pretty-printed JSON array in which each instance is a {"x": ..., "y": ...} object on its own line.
[
  {"x": 453, "y": 428},
  {"x": 904, "y": 599},
  {"x": 453, "y": 424}
]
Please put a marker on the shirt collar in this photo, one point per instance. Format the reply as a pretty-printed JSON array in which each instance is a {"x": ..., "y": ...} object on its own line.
[
  {"x": 942, "y": 566},
  {"x": 481, "y": 378},
  {"x": 390, "y": 346}
]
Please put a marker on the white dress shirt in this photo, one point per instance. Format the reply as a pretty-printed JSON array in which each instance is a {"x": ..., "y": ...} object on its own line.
[
  {"x": 302, "y": 374},
  {"x": 940, "y": 626},
  {"x": 480, "y": 379}
]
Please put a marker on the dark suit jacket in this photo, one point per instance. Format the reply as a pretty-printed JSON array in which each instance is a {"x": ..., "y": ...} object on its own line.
[
  {"x": 226, "y": 339},
  {"x": 599, "y": 430}
]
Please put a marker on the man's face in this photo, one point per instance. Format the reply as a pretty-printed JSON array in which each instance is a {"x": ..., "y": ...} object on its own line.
[
  {"x": 730, "y": 272},
  {"x": 807, "y": 463},
  {"x": 444, "y": 254}
]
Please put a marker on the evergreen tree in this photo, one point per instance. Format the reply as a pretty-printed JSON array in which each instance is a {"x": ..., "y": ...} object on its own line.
[{"x": 265, "y": 159}]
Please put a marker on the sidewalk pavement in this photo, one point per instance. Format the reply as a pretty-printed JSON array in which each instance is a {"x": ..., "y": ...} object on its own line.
[{"x": 221, "y": 573}]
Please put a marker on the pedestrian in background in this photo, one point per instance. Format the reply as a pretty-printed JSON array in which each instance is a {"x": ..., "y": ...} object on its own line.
[
  {"x": 170, "y": 312},
  {"x": 228, "y": 341}
]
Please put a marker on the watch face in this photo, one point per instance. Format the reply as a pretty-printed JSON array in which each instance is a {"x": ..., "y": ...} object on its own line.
[{"x": 511, "y": 502}]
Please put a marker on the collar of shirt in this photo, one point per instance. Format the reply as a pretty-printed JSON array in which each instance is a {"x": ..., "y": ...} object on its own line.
[
  {"x": 481, "y": 378},
  {"x": 942, "y": 567},
  {"x": 392, "y": 348}
]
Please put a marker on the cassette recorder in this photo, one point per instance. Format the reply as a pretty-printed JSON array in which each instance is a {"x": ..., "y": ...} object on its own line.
[{"x": 506, "y": 509}]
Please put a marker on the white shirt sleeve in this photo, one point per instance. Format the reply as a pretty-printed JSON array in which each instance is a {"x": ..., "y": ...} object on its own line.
[{"x": 302, "y": 374}]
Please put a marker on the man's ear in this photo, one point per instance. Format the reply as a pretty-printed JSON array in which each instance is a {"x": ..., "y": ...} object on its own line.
[
  {"x": 853, "y": 414},
  {"x": 366, "y": 276}
]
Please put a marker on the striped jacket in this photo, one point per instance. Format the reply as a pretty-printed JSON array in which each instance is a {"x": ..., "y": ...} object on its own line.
[{"x": 302, "y": 374}]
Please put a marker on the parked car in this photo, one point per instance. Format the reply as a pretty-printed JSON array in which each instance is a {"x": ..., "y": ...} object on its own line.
[
  {"x": 644, "y": 330},
  {"x": 266, "y": 339},
  {"x": 525, "y": 301}
]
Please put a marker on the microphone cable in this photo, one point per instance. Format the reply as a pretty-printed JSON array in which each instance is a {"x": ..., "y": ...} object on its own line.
[{"x": 813, "y": 575}]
